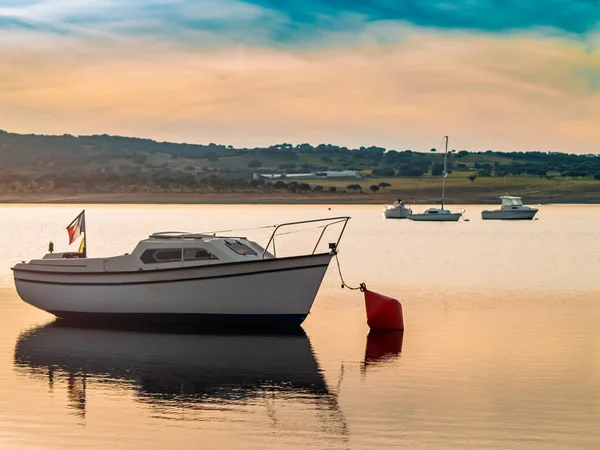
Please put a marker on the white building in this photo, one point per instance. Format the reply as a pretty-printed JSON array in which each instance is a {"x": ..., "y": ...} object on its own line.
[
  {"x": 324, "y": 174},
  {"x": 337, "y": 174}
]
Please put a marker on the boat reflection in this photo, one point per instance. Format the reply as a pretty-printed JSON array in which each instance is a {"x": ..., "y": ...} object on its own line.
[
  {"x": 383, "y": 346},
  {"x": 184, "y": 370}
]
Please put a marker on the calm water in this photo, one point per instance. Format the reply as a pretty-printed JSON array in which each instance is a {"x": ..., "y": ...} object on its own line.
[{"x": 501, "y": 348}]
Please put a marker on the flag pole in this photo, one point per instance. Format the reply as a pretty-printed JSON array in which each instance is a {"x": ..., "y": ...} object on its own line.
[{"x": 84, "y": 236}]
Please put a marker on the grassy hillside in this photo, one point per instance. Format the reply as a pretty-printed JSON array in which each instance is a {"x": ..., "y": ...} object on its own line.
[{"x": 36, "y": 164}]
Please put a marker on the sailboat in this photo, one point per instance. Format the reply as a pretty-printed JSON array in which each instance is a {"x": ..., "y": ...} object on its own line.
[{"x": 438, "y": 214}]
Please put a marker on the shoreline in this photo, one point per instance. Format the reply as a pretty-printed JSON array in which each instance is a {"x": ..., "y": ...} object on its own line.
[{"x": 249, "y": 199}]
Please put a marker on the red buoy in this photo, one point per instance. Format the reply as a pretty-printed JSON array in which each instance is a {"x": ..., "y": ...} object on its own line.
[{"x": 383, "y": 313}]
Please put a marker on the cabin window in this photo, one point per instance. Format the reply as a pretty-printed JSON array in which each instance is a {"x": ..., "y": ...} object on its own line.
[
  {"x": 240, "y": 248},
  {"x": 195, "y": 254},
  {"x": 163, "y": 255},
  {"x": 167, "y": 255}
]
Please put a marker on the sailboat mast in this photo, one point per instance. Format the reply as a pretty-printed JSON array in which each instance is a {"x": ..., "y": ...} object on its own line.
[{"x": 444, "y": 173}]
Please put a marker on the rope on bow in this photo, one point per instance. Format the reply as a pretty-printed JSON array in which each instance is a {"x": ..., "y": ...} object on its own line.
[{"x": 362, "y": 287}]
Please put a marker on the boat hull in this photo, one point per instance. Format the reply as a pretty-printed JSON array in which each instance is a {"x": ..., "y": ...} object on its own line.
[
  {"x": 524, "y": 214},
  {"x": 274, "y": 291},
  {"x": 396, "y": 213},
  {"x": 453, "y": 217}
]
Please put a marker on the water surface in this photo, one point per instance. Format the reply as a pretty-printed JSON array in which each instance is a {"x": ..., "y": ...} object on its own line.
[{"x": 501, "y": 347}]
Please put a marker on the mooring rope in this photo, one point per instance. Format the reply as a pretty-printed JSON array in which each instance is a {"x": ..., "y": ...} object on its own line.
[{"x": 362, "y": 287}]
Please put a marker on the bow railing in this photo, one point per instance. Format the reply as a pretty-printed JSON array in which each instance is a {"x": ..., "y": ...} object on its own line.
[{"x": 325, "y": 224}]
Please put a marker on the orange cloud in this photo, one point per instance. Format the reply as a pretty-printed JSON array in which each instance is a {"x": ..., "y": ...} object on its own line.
[{"x": 485, "y": 92}]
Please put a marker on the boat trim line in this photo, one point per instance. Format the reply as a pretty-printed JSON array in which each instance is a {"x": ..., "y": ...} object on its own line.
[
  {"x": 166, "y": 269},
  {"x": 121, "y": 283}
]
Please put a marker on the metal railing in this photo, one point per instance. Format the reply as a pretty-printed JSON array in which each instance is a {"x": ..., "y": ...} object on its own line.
[{"x": 331, "y": 220}]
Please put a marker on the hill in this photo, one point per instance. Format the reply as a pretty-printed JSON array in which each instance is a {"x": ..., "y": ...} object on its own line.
[{"x": 103, "y": 164}]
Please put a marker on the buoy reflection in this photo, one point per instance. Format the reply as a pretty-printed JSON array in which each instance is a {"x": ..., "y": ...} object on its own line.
[{"x": 383, "y": 346}]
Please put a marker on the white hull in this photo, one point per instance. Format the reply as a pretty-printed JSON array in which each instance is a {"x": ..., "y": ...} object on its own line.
[
  {"x": 396, "y": 214},
  {"x": 452, "y": 217},
  {"x": 271, "y": 287},
  {"x": 521, "y": 214},
  {"x": 396, "y": 211}
]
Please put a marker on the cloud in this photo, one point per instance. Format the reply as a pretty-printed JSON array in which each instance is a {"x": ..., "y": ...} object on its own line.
[
  {"x": 202, "y": 24},
  {"x": 351, "y": 73},
  {"x": 288, "y": 24},
  {"x": 572, "y": 16},
  {"x": 486, "y": 92}
]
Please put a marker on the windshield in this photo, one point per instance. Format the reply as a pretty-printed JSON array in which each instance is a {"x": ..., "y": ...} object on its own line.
[{"x": 511, "y": 201}]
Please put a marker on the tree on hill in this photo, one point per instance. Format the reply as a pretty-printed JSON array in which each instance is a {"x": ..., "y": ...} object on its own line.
[
  {"x": 384, "y": 185},
  {"x": 437, "y": 169},
  {"x": 354, "y": 187},
  {"x": 374, "y": 188},
  {"x": 254, "y": 164},
  {"x": 433, "y": 150},
  {"x": 212, "y": 156},
  {"x": 332, "y": 189},
  {"x": 386, "y": 172},
  {"x": 472, "y": 178},
  {"x": 139, "y": 159},
  {"x": 304, "y": 187},
  {"x": 501, "y": 172}
]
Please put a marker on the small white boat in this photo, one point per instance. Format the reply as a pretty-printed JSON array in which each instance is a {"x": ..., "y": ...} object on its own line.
[
  {"x": 438, "y": 214},
  {"x": 512, "y": 209},
  {"x": 181, "y": 277},
  {"x": 397, "y": 210}
]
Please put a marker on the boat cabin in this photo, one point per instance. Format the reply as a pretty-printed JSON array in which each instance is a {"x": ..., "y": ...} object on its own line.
[
  {"x": 174, "y": 249},
  {"x": 510, "y": 202}
]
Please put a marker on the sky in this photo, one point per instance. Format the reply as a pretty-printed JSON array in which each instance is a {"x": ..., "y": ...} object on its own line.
[{"x": 492, "y": 74}]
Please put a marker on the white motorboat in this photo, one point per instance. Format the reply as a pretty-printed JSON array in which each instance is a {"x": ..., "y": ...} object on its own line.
[
  {"x": 182, "y": 277},
  {"x": 397, "y": 210},
  {"x": 438, "y": 214},
  {"x": 512, "y": 209}
]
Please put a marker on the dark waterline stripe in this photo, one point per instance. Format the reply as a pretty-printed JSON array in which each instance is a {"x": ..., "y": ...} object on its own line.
[{"x": 206, "y": 320}]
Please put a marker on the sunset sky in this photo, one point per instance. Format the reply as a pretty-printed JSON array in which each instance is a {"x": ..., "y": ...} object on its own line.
[{"x": 502, "y": 75}]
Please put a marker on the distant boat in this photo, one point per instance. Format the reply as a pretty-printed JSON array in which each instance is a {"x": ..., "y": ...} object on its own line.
[
  {"x": 512, "y": 209},
  {"x": 438, "y": 214},
  {"x": 397, "y": 210}
]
